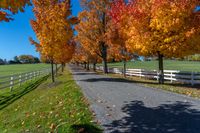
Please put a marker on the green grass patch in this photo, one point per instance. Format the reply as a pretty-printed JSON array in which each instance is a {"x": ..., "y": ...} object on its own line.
[
  {"x": 7, "y": 97},
  {"x": 51, "y": 107},
  {"x": 20, "y": 68},
  {"x": 153, "y": 65}
]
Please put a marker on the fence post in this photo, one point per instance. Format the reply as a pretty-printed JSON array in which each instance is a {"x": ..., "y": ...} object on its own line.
[
  {"x": 157, "y": 75},
  {"x": 31, "y": 76},
  {"x": 20, "y": 80},
  {"x": 192, "y": 78},
  {"x": 140, "y": 73},
  {"x": 26, "y": 77},
  {"x": 11, "y": 83},
  {"x": 34, "y": 75},
  {"x": 171, "y": 77}
]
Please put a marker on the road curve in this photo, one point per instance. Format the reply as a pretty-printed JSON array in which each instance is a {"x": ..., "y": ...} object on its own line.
[{"x": 121, "y": 106}]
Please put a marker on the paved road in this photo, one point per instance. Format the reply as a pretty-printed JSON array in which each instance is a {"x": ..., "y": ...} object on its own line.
[{"x": 121, "y": 106}]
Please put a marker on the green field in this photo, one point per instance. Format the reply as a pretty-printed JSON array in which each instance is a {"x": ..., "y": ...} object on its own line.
[
  {"x": 15, "y": 69},
  {"x": 168, "y": 65},
  {"x": 58, "y": 107}
]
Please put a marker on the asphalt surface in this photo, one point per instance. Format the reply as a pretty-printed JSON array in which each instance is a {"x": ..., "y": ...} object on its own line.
[{"x": 122, "y": 106}]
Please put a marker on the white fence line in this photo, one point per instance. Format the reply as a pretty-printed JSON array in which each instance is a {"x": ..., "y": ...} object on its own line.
[
  {"x": 170, "y": 75},
  {"x": 13, "y": 80}
]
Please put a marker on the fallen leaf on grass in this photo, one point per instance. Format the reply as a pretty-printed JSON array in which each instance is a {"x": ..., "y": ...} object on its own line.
[
  {"x": 27, "y": 114},
  {"x": 52, "y": 126},
  {"x": 51, "y": 112},
  {"x": 27, "y": 130},
  {"x": 34, "y": 113},
  {"x": 57, "y": 115}
]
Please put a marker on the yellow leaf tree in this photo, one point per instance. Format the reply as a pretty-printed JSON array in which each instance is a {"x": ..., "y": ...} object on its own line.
[
  {"x": 53, "y": 28},
  {"x": 93, "y": 27},
  {"x": 117, "y": 44}
]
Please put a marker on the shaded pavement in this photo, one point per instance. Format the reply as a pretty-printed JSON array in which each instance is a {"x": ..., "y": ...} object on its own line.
[{"x": 121, "y": 106}]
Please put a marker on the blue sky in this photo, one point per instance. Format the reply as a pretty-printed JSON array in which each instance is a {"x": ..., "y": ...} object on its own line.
[{"x": 14, "y": 35}]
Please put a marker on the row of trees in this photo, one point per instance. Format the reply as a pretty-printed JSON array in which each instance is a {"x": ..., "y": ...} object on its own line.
[
  {"x": 26, "y": 59},
  {"x": 119, "y": 28},
  {"x": 98, "y": 39},
  {"x": 22, "y": 59},
  {"x": 53, "y": 27}
]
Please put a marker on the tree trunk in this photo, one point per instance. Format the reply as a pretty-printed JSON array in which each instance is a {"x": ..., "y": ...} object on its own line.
[
  {"x": 52, "y": 71},
  {"x": 85, "y": 65},
  {"x": 62, "y": 67},
  {"x": 56, "y": 68},
  {"x": 104, "y": 56},
  {"x": 124, "y": 69},
  {"x": 161, "y": 69},
  {"x": 94, "y": 66},
  {"x": 105, "y": 66},
  {"x": 88, "y": 65}
]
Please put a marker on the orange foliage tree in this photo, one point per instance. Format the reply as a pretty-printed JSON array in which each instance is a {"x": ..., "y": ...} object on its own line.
[
  {"x": 53, "y": 28},
  {"x": 118, "y": 48},
  {"x": 65, "y": 53},
  {"x": 93, "y": 27},
  {"x": 159, "y": 27}
]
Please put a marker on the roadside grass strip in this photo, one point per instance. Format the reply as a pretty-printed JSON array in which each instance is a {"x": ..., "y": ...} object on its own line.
[{"x": 50, "y": 107}]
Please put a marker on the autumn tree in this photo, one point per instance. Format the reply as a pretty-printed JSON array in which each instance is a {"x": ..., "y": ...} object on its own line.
[
  {"x": 80, "y": 57},
  {"x": 117, "y": 44},
  {"x": 13, "y": 6},
  {"x": 53, "y": 28},
  {"x": 93, "y": 27},
  {"x": 65, "y": 53},
  {"x": 160, "y": 27}
]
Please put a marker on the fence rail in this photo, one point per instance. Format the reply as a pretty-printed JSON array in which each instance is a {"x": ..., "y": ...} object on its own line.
[
  {"x": 16, "y": 80},
  {"x": 169, "y": 75}
]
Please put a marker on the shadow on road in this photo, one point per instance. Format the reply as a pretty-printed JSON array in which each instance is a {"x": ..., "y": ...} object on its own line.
[
  {"x": 113, "y": 80},
  {"x": 167, "y": 118},
  {"x": 84, "y": 73},
  {"x": 123, "y": 80}
]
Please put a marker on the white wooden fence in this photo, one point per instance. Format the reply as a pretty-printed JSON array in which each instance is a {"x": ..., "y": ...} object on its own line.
[
  {"x": 169, "y": 75},
  {"x": 17, "y": 79}
]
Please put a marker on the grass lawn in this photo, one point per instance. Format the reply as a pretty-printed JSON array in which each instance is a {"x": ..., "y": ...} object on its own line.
[
  {"x": 58, "y": 107},
  {"x": 15, "y": 69},
  {"x": 153, "y": 65}
]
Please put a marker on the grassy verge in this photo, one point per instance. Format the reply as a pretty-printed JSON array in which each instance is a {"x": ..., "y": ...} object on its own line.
[
  {"x": 58, "y": 107},
  {"x": 153, "y": 65},
  {"x": 7, "y": 97},
  {"x": 172, "y": 87}
]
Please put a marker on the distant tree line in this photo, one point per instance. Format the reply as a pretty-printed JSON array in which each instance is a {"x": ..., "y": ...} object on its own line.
[{"x": 22, "y": 59}]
